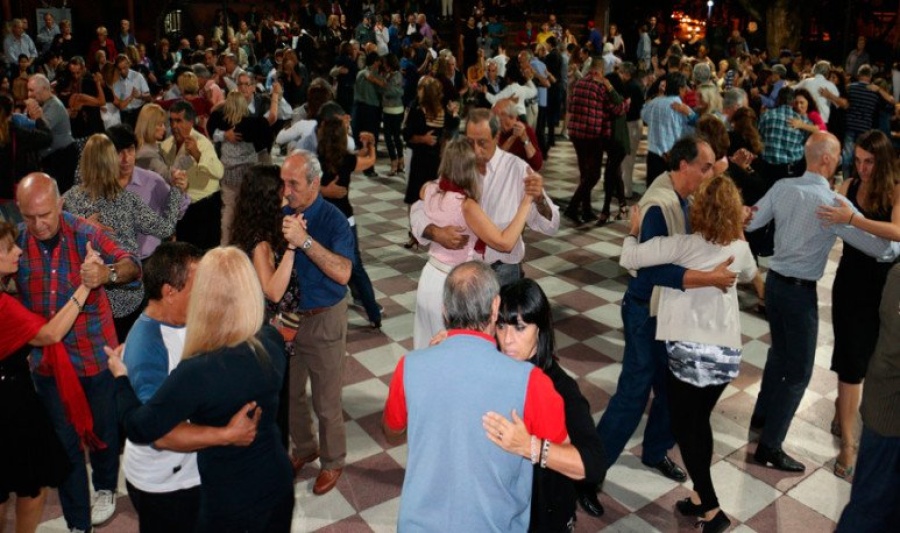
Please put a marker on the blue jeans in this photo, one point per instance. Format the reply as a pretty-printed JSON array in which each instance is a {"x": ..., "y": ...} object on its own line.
[
  {"x": 74, "y": 495},
  {"x": 361, "y": 285},
  {"x": 644, "y": 367},
  {"x": 875, "y": 497},
  {"x": 794, "y": 324}
]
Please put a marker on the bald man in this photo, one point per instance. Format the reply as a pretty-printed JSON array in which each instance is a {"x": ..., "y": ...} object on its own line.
[
  {"x": 54, "y": 246},
  {"x": 802, "y": 245}
]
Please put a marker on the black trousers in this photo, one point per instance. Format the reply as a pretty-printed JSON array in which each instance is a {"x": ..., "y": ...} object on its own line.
[
  {"x": 589, "y": 153},
  {"x": 201, "y": 224},
  {"x": 61, "y": 165},
  {"x": 540, "y": 128},
  {"x": 690, "y": 408},
  {"x": 165, "y": 512},
  {"x": 656, "y": 165},
  {"x": 613, "y": 186}
]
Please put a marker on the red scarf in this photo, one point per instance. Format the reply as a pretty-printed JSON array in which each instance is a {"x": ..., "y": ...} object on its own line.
[
  {"x": 446, "y": 185},
  {"x": 23, "y": 326}
]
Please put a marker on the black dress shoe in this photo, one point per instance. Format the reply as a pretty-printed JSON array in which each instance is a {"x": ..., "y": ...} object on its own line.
[
  {"x": 688, "y": 508},
  {"x": 573, "y": 217},
  {"x": 588, "y": 500},
  {"x": 668, "y": 468},
  {"x": 779, "y": 460},
  {"x": 719, "y": 523}
]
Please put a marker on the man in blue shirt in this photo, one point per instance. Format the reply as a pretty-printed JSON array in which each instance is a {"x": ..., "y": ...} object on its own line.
[
  {"x": 322, "y": 241},
  {"x": 665, "y": 124},
  {"x": 802, "y": 246},
  {"x": 664, "y": 209}
]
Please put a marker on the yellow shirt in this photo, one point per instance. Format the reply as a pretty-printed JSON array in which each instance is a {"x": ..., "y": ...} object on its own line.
[{"x": 204, "y": 175}]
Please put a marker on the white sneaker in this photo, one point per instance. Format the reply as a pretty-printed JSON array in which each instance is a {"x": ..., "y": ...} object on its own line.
[{"x": 103, "y": 507}]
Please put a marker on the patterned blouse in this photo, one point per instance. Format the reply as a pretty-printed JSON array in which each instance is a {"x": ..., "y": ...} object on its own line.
[{"x": 128, "y": 216}]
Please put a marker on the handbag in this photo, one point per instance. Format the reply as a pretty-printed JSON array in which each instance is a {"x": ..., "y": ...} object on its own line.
[{"x": 287, "y": 323}]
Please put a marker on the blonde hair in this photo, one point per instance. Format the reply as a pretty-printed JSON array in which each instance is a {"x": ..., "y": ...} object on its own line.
[
  {"x": 458, "y": 166},
  {"x": 100, "y": 168},
  {"x": 151, "y": 116},
  {"x": 711, "y": 97},
  {"x": 718, "y": 212},
  {"x": 226, "y": 307},
  {"x": 188, "y": 83},
  {"x": 235, "y": 107}
]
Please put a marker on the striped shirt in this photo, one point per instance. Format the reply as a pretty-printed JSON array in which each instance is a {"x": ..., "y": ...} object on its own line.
[
  {"x": 783, "y": 144},
  {"x": 863, "y": 105}
]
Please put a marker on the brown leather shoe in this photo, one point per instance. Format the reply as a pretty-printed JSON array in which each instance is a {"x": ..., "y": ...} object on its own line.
[
  {"x": 297, "y": 463},
  {"x": 327, "y": 480}
]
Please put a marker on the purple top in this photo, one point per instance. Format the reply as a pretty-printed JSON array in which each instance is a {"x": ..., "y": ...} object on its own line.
[{"x": 153, "y": 190}]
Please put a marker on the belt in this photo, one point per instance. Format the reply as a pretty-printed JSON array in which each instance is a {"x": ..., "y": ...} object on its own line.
[
  {"x": 794, "y": 281},
  {"x": 312, "y": 312}
]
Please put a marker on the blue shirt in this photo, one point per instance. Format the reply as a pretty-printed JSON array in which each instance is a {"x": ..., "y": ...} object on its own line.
[
  {"x": 664, "y": 124},
  {"x": 802, "y": 243},
  {"x": 541, "y": 70},
  {"x": 330, "y": 228},
  {"x": 654, "y": 225}
]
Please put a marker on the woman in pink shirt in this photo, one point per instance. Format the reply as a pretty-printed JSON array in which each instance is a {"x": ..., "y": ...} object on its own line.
[{"x": 452, "y": 201}]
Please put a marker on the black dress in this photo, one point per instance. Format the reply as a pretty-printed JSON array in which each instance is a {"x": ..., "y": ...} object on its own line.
[
  {"x": 423, "y": 167},
  {"x": 856, "y": 296},
  {"x": 31, "y": 456}
]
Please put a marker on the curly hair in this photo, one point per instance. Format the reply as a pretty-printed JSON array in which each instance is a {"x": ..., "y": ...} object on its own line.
[
  {"x": 880, "y": 198},
  {"x": 743, "y": 124},
  {"x": 718, "y": 212},
  {"x": 258, "y": 212},
  {"x": 332, "y": 136}
]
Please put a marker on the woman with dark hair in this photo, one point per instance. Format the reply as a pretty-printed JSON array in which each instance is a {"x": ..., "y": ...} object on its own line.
[
  {"x": 31, "y": 456},
  {"x": 163, "y": 61},
  {"x": 525, "y": 333},
  {"x": 701, "y": 329},
  {"x": 874, "y": 192},
  {"x": 427, "y": 126},
  {"x": 805, "y": 106},
  {"x": 338, "y": 165},
  {"x": 345, "y": 71}
]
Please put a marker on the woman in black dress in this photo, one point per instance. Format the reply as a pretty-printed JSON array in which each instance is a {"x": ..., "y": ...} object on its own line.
[
  {"x": 427, "y": 126},
  {"x": 229, "y": 360},
  {"x": 856, "y": 295},
  {"x": 525, "y": 332}
]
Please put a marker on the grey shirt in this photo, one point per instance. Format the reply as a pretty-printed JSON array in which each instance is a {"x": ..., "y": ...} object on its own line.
[
  {"x": 881, "y": 396},
  {"x": 57, "y": 119}
]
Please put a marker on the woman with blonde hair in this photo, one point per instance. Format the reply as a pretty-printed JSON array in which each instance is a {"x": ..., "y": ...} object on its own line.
[
  {"x": 701, "y": 329},
  {"x": 452, "y": 200},
  {"x": 249, "y": 144},
  {"x": 230, "y": 358},
  {"x": 150, "y": 130},
  {"x": 102, "y": 197}
]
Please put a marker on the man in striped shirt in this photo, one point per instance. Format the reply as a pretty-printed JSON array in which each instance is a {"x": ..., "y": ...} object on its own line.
[{"x": 866, "y": 99}]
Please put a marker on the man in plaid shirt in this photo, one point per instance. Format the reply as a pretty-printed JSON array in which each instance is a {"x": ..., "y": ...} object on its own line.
[
  {"x": 784, "y": 144},
  {"x": 54, "y": 245},
  {"x": 591, "y": 114}
]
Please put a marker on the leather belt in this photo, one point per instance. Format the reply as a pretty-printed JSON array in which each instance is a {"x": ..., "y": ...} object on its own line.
[
  {"x": 312, "y": 312},
  {"x": 794, "y": 281}
]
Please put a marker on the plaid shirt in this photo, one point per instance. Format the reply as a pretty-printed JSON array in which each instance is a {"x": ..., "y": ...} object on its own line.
[
  {"x": 47, "y": 279},
  {"x": 783, "y": 144},
  {"x": 664, "y": 124},
  {"x": 592, "y": 110}
]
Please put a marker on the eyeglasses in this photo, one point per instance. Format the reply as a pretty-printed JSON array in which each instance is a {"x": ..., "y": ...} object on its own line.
[{"x": 481, "y": 143}]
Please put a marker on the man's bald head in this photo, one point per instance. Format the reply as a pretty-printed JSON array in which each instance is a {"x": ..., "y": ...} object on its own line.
[
  {"x": 823, "y": 153},
  {"x": 40, "y": 204}
]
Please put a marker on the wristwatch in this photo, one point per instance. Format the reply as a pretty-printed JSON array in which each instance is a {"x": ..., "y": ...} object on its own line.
[
  {"x": 307, "y": 244},
  {"x": 526, "y": 141},
  {"x": 113, "y": 275}
]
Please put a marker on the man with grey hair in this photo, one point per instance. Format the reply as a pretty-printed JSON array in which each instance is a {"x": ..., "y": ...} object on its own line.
[
  {"x": 321, "y": 240},
  {"x": 701, "y": 74},
  {"x": 18, "y": 43},
  {"x": 732, "y": 100},
  {"x": 819, "y": 83},
  {"x": 61, "y": 157},
  {"x": 504, "y": 180},
  {"x": 449, "y": 387}
]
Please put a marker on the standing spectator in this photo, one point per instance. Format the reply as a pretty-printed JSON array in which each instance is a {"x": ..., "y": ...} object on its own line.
[
  {"x": 526, "y": 37},
  {"x": 47, "y": 33},
  {"x": 131, "y": 90},
  {"x": 468, "y": 42},
  {"x": 615, "y": 38},
  {"x": 61, "y": 157},
  {"x": 321, "y": 233},
  {"x": 857, "y": 57},
  {"x": 364, "y": 33},
  {"x": 18, "y": 43},
  {"x": 124, "y": 38},
  {"x": 73, "y": 241},
  {"x": 463, "y": 378},
  {"x": 802, "y": 246},
  {"x": 595, "y": 38},
  {"x": 592, "y": 108}
]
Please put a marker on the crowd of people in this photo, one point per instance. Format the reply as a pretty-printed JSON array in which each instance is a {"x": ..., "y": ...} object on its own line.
[{"x": 187, "y": 250}]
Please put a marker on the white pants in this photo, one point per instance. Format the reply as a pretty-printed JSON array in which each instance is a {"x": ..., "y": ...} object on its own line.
[
  {"x": 446, "y": 7},
  {"x": 429, "y": 305},
  {"x": 635, "y": 128},
  {"x": 229, "y": 205}
]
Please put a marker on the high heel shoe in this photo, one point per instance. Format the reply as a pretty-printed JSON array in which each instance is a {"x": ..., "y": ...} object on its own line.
[
  {"x": 623, "y": 212},
  {"x": 412, "y": 243},
  {"x": 401, "y": 167},
  {"x": 393, "y": 171},
  {"x": 602, "y": 219},
  {"x": 842, "y": 470}
]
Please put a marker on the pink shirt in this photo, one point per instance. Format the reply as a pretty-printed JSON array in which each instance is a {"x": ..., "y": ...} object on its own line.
[{"x": 445, "y": 209}]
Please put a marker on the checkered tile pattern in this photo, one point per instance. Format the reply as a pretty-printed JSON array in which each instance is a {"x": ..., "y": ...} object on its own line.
[{"x": 578, "y": 270}]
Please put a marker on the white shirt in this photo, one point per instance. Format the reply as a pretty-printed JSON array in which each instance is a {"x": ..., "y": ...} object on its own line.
[
  {"x": 502, "y": 189},
  {"x": 124, "y": 87},
  {"x": 705, "y": 315},
  {"x": 813, "y": 85},
  {"x": 523, "y": 93}
]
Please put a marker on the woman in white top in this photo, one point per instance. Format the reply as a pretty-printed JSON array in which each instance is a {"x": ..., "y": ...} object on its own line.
[
  {"x": 701, "y": 329},
  {"x": 520, "y": 89}
]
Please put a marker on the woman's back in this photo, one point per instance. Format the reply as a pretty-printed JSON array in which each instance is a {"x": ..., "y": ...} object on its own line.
[{"x": 444, "y": 209}]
